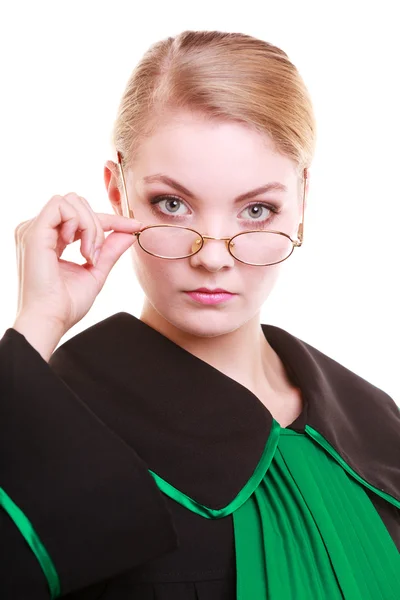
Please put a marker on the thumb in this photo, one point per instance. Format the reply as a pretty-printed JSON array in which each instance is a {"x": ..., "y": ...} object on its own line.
[{"x": 112, "y": 249}]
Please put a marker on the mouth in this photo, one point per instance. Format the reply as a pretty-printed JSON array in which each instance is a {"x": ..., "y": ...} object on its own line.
[
  {"x": 210, "y": 296},
  {"x": 209, "y": 291}
]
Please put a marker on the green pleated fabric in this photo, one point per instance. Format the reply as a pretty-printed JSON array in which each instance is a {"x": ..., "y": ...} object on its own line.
[{"x": 309, "y": 530}]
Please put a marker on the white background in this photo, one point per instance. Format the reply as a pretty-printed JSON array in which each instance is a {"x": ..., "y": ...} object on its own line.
[{"x": 64, "y": 66}]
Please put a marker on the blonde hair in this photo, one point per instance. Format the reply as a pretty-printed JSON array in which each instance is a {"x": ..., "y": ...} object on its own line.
[{"x": 223, "y": 76}]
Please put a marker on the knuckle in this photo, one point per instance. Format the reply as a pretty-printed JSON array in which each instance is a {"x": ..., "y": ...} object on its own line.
[
  {"x": 54, "y": 200},
  {"x": 71, "y": 196},
  {"x": 52, "y": 204},
  {"x": 97, "y": 230},
  {"x": 85, "y": 219}
]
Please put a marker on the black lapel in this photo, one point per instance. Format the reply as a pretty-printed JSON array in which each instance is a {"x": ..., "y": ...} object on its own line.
[
  {"x": 202, "y": 431},
  {"x": 359, "y": 420}
]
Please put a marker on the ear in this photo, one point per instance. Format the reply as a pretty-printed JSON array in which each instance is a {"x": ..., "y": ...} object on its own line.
[{"x": 111, "y": 177}]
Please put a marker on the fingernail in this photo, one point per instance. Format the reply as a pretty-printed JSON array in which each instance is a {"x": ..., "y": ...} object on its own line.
[{"x": 96, "y": 256}]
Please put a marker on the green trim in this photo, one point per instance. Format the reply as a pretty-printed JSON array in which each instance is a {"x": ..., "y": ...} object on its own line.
[
  {"x": 243, "y": 495},
  {"x": 259, "y": 473},
  {"x": 33, "y": 540},
  {"x": 313, "y": 433}
]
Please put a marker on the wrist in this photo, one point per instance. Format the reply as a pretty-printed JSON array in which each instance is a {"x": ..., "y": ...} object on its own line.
[{"x": 41, "y": 332}]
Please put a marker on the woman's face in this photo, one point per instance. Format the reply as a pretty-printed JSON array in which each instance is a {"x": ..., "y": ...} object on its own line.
[{"x": 216, "y": 162}]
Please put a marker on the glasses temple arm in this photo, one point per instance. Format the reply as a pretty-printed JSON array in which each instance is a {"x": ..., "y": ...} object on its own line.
[{"x": 126, "y": 210}]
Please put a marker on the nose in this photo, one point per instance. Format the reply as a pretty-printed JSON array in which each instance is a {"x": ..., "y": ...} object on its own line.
[{"x": 214, "y": 255}]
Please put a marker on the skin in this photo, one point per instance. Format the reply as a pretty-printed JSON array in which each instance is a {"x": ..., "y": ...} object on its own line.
[{"x": 217, "y": 162}]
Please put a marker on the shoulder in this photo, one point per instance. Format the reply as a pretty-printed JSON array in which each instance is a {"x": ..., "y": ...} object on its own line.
[{"x": 329, "y": 377}]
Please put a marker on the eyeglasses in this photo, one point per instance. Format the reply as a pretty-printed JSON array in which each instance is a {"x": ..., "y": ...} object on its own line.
[{"x": 259, "y": 247}]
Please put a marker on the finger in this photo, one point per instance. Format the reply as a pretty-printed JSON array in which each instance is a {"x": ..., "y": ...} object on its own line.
[
  {"x": 100, "y": 237},
  {"x": 19, "y": 236},
  {"x": 119, "y": 223},
  {"x": 87, "y": 225},
  {"x": 114, "y": 246},
  {"x": 20, "y": 228},
  {"x": 56, "y": 214}
]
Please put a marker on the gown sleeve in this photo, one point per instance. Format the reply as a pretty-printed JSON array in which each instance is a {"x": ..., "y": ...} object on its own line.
[{"x": 77, "y": 504}]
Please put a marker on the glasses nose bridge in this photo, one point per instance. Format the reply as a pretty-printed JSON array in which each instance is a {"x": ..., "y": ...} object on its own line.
[{"x": 225, "y": 239}]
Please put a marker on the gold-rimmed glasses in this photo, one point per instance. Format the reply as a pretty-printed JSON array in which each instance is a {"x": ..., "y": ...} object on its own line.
[{"x": 259, "y": 247}]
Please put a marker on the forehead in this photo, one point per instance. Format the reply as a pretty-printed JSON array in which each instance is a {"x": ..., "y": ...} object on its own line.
[{"x": 191, "y": 147}]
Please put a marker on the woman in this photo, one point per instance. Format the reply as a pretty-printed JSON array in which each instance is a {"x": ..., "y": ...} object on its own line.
[{"x": 194, "y": 452}]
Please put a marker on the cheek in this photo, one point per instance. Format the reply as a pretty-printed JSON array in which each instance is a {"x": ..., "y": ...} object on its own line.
[
  {"x": 155, "y": 275},
  {"x": 158, "y": 277},
  {"x": 259, "y": 281}
]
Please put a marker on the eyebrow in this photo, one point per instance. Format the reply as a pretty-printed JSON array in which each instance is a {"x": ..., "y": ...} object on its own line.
[{"x": 159, "y": 177}]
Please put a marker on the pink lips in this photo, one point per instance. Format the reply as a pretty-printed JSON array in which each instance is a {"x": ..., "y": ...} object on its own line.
[
  {"x": 215, "y": 297},
  {"x": 209, "y": 291}
]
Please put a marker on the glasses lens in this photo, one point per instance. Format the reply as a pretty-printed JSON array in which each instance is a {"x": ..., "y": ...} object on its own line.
[
  {"x": 261, "y": 247},
  {"x": 255, "y": 248},
  {"x": 169, "y": 242}
]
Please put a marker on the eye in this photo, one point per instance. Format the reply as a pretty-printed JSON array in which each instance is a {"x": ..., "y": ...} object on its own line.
[
  {"x": 171, "y": 206},
  {"x": 263, "y": 213},
  {"x": 255, "y": 214}
]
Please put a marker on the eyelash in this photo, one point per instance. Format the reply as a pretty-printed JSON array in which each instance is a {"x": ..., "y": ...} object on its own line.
[{"x": 254, "y": 222}]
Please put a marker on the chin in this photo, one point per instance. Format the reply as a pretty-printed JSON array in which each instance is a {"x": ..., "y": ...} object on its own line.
[{"x": 204, "y": 322}]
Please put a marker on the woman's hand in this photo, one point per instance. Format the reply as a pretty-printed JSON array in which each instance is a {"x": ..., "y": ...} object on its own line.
[{"x": 57, "y": 291}]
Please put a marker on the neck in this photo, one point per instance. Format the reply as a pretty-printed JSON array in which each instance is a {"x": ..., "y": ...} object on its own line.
[{"x": 243, "y": 354}]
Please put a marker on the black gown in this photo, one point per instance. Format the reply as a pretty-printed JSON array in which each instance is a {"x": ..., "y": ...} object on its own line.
[{"x": 120, "y": 457}]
